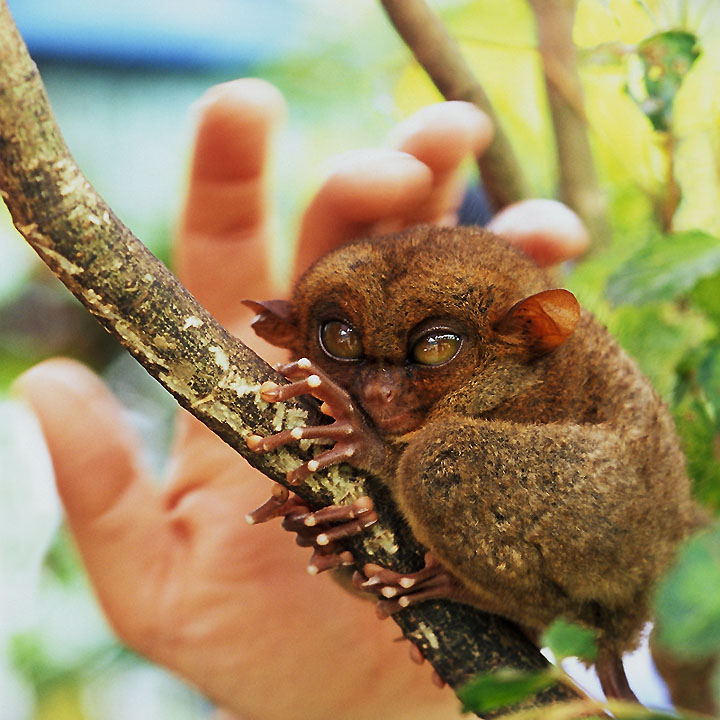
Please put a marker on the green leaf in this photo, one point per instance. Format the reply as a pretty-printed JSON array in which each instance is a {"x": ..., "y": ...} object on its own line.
[
  {"x": 567, "y": 639},
  {"x": 697, "y": 417},
  {"x": 687, "y": 600},
  {"x": 706, "y": 297},
  {"x": 659, "y": 337},
  {"x": 700, "y": 438},
  {"x": 666, "y": 267},
  {"x": 502, "y": 688},
  {"x": 666, "y": 58}
]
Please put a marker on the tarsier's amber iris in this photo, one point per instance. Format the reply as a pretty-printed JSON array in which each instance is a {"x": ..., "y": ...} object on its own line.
[
  {"x": 435, "y": 348},
  {"x": 341, "y": 340}
]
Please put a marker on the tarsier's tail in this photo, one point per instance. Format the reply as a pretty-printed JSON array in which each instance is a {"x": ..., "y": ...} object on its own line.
[{"x": 614, "y": 682}]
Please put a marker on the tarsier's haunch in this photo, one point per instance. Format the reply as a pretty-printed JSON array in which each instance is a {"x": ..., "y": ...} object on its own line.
[{"x": 523, "y": 446}]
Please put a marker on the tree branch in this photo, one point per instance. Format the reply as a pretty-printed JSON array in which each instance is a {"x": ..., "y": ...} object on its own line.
[
  {"x": 579, "y": 189},
  {"x": 439, "y": 55},
  {"x": 208, "y": 371}
]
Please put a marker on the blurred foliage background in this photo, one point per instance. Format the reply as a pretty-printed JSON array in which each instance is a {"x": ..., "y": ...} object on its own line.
[{"x": 122, "y": 77}]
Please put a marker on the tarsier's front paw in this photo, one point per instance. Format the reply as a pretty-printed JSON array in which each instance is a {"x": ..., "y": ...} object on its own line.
[
  {"x": 400, "y": 590},
  {"x": 319, "y": 529},
  {"x": 349, "y": 431}
]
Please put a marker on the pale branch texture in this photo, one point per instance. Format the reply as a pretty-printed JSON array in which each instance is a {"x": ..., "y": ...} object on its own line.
[
  {"x": 440, "y": 56},
  {"x": 579, "y": 189},
  {"x": 208, "y": 371}
]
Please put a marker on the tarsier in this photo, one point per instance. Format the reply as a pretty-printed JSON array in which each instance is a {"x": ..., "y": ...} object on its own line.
[{"x": 525, "y": 449}]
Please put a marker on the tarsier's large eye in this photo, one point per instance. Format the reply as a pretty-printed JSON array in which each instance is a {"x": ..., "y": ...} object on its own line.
[
  {"x": 435, "y": 347},
  {"x": 341, "y": 340}
]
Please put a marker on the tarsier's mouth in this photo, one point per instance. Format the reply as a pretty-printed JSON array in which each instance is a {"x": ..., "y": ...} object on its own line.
[{"x": 396, "y": 423}]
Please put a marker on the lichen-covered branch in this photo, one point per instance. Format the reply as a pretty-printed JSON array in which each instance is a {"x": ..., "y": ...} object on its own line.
[
  {"x": 208, "y": 371},
  {"x": 579, "y": 189},
  {"x": 439, "y": 55}
]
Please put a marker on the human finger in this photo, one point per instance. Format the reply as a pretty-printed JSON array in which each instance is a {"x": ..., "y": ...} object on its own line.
[
  {"x": 223, "y": 235},
  {"x": 442, "y": 136},
  {"x": 111, "y": 506},
  {"x": 546, "y": 230},
  {"x": 367, "y": 190},
  {"x": 375, "y": 191}
]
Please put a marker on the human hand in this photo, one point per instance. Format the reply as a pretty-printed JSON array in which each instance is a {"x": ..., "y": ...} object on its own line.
[{"x": 181, "y": 577}]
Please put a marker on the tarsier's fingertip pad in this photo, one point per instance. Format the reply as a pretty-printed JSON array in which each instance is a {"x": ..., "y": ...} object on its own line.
[
  {"x": 255, "y": 443},
  {"x": 312, "y": 570},
  {"x": 249, "y": 519},
  {"x": 364, "y": 504},
  {"x": 269, "y": 390}
]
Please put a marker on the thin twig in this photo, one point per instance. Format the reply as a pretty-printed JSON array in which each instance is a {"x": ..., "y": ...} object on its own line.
[
  {"x": 440, "y": 56},
  {"x": 578, "y": 182}
]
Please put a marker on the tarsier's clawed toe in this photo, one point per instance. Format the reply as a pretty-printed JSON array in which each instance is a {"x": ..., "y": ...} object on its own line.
[
  {"x": 322, "y": 529},
  {"x": 319, "y": 529},
  {"x": 277, "y": 505},
  {"x": 400, "y": 590},
  {"x": 327, "y": 558}
]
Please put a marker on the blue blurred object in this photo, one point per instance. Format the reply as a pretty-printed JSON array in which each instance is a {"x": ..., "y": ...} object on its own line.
[{"x": 182, "y": 33}]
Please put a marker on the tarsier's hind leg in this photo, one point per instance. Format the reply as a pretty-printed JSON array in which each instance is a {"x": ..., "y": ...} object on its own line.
[{"x": 613, "y": 680}]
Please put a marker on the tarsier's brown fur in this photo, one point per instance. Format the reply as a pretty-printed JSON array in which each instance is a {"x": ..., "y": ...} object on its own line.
[{"x": 544, "y": 472}]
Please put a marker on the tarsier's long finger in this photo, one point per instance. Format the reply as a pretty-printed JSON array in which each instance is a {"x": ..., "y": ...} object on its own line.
[
  {"x": 270, "y": 391},
  {"x": 321, "y": 561},
  {"x": 271, "y": 508},
  {"x": 378, "y": 577},
  {"x": 336, "y": 454},
  {"x": 308, "y": 536},
  {"x": 297, "y": 521},
  {"x": 336, "y": 431},
  {"x": 389, "y": 604},
  {"x": 347, "y": 529},
  {"x": 339, "y": 513},
  {"x": 320, "y": 387}
]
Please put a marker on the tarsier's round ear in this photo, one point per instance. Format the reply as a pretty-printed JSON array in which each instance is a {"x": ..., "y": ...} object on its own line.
[
  {"x": 541, "y": 322},
  {"x": 273, "y": 322}
]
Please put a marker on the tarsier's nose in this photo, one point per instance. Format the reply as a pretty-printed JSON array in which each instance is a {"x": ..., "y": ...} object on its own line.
[{"x": 381, "y": 388}]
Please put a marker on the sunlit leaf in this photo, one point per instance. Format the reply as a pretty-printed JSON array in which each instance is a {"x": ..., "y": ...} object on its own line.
[
  {"x": 697, "y": 417},
  {"x": 687, "y": 601},
  {"x": 665, "y": 268},
  {"x": 659, "y": 337},
  {"x": 667, "y": 58},
  {"x": 567, "y": 639},
  {"x": 502, "y": 688},
  {"x": 706, "y": 296}
]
